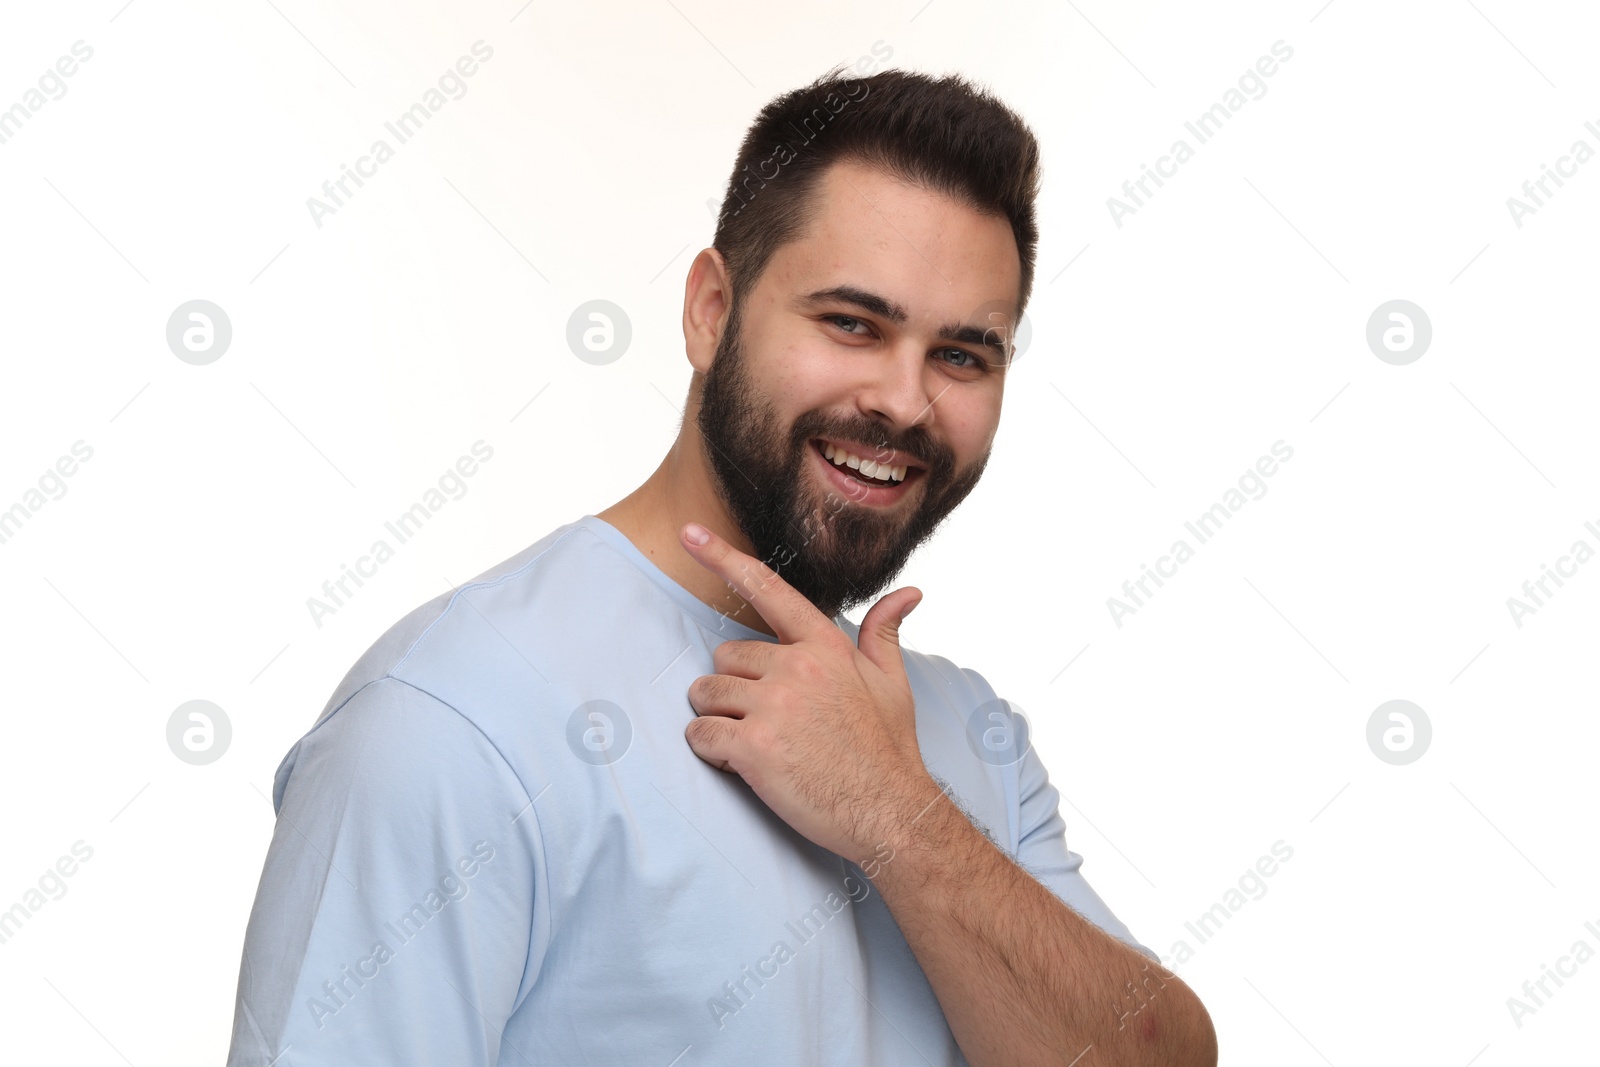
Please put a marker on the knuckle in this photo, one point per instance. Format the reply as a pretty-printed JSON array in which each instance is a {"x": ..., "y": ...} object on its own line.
[
  {"x": 727, "y": 654},
  {"x": 705, "y": 729},
  {"x": 706, "y": 690},
  {"x": 811, "y": 668}
]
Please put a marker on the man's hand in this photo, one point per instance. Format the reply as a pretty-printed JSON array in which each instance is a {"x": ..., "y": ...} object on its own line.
[{"x": 822, "y": 730}]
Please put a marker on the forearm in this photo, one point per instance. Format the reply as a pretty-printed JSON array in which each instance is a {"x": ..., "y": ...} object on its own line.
[{"x": 1022, "y": 978}]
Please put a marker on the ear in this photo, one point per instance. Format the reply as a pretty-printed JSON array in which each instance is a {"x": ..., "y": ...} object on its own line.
[{"x": 707, "y": 295}]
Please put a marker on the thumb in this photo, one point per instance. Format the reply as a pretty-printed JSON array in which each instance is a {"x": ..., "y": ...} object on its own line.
[{"x": 879, "y": 640}]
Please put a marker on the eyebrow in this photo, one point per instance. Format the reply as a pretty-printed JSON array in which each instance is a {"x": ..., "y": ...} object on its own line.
[{"x": 893, "y": 312}]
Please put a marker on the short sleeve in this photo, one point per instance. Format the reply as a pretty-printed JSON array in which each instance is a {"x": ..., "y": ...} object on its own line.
[
  {"x": 1042, "y": 850},
  {"x": 400, "y": 916}
]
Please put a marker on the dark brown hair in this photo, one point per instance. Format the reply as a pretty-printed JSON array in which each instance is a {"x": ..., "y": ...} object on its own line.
[{"x": 941, "y": 133}]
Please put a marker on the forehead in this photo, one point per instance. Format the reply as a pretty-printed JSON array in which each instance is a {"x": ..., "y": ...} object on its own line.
[{"x": 926, "y": 252}]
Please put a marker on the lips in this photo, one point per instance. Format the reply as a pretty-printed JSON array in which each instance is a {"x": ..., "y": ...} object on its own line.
[
  {"x": 878, "y": 454},
  {"x": 848, "y": 485}
]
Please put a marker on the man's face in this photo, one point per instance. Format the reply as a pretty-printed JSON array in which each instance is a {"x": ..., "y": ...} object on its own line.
[{"x": 791, "y": 369}]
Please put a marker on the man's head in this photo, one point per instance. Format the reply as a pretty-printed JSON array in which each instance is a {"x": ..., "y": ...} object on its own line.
[{"x": 874, "y": 253}]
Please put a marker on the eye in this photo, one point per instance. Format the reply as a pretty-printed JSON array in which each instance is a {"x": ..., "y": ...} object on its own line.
[
  {"x": 975, "y": 362},
  {"x": 844, "y": 318}
]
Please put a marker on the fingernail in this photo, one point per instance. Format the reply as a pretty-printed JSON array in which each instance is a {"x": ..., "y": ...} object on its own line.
[{"x": 696, "y": 534}]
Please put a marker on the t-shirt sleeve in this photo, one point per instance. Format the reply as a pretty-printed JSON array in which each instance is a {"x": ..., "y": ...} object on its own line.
[
  {"x": 1042, "y": 850},
  {"x": 400, "y": 917}
]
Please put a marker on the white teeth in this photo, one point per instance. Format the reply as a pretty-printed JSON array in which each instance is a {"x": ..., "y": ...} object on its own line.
[{"x": 840, "y": 458}]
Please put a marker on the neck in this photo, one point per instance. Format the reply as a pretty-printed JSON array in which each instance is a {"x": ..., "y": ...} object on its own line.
[{"x": 681, "y": 491}]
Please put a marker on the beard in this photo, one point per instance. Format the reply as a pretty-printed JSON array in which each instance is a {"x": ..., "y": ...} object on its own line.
[{"x": 836, "y": 552}]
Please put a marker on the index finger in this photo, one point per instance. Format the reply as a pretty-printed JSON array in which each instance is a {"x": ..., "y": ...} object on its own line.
[{"x": 791, "y": 616}]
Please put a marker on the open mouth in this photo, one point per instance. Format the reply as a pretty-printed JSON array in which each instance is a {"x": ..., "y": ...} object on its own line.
[{"x": 878, "y": 487}]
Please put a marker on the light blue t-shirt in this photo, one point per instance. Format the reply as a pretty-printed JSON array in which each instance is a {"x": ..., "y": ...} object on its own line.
[{"x": 496, "y": 847}]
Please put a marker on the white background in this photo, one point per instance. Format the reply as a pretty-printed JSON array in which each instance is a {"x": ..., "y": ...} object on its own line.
[{"x": 1167, "y": 355}]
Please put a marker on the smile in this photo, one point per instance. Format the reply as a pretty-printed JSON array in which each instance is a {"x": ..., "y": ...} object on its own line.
[{"x": 878, "y": 489}]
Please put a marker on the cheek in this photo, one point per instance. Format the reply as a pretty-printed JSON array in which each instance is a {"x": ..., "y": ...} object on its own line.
[
  {"x": 808, "y": 375},
  {"x": 970, "y": 425}
]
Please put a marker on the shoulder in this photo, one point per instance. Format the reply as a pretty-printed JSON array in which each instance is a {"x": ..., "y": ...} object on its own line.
[
  {"x": 455, "y": 676},
  {"x": 398, "y": 748},
  {"x": 431, "y": 632}
]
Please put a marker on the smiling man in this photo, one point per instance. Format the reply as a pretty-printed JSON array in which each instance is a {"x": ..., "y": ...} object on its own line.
[{"x": 642, "y": 793}]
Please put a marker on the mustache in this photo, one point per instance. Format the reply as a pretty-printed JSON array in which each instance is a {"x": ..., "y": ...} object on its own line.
[{"x": 918, "y": 446}]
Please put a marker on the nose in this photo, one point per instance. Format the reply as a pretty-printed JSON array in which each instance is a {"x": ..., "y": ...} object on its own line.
[{"x": 901, "y": 388}]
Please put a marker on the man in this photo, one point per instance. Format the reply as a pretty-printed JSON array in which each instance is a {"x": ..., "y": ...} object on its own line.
[{"x": 627, "y": 798}]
